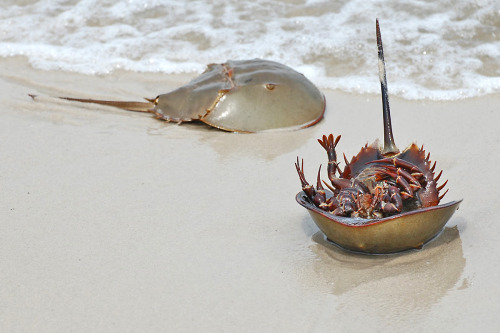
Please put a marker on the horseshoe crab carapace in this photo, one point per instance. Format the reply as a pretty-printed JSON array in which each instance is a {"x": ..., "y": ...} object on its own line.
[
  {"x": 384, "y": 200},
  {"x": 240, "y": 96}
]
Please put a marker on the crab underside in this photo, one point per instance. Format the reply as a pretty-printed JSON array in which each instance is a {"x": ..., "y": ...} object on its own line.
[{"x": 374, "y": 186}]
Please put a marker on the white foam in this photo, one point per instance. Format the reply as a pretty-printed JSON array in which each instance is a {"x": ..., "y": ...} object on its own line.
[{"x": 432, "y": 50}]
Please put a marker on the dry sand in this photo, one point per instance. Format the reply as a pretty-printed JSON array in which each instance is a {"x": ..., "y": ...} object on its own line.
[{"x": 113, "y": 221}]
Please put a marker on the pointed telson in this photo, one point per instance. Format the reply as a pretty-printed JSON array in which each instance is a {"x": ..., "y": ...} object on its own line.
[{"x": 390, "y": 147}]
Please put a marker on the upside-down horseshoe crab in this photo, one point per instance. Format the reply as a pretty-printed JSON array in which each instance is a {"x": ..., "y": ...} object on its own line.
[
  {"x": 239, "y": 96},
  {"x": 384, "y": 200}
]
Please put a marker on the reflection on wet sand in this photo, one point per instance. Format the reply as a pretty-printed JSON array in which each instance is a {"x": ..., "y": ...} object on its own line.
[
  {"x": 267, "y": 146},
  {"x": 419, "y": 277}
]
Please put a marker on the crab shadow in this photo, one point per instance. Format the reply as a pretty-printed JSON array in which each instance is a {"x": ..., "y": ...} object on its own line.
[
  {"x": 263, "y": 145},
  {"x": 430, "y": 271}
]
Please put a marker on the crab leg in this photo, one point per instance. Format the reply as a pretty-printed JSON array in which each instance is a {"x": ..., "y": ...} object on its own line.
[
  {"x": 415, "y": 185},
  {"x": 329, "y": 143},
  {"x": 404, "y": 184},
  {"x": 400, "y": 179},
  {"x": 394, "y": 173},
  {"x": 400, "y": 163},
  {"x": 408, "y": 176},
  {"x": 306, "y": 187},
  {"x": 399, "y": 171},
  {"x": 395, "y": 204},
  {"x": 320, "y": 196}
]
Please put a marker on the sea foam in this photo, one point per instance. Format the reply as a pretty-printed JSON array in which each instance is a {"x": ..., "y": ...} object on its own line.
[{"x": 433, "y": 49}]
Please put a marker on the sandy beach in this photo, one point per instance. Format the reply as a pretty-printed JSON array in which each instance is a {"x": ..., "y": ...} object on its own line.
[{"x": 114, "y": 221}]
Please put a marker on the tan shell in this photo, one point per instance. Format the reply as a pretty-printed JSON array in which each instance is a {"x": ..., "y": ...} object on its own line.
[
  {"x": 239, "y": 96},
  {"x": 245, "y": 96}
]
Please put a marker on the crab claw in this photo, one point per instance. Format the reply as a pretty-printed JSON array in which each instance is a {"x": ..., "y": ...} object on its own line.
[
  {"x": 320, "y": 196},
  {"x": 306, "y": 187},
  {"x": 329, "y": 144},
  {"x": 389, "y": 208}
]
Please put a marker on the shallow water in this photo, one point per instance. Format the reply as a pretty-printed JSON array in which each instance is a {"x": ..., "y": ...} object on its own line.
[{"x": 434, "y": 50}]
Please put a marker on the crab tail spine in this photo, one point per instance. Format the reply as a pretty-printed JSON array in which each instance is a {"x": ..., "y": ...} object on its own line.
[
  {"x": 128, "y": 106},
  {"x": 390, "y": 147}
]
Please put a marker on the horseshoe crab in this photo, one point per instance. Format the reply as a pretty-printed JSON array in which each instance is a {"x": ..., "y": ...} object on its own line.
[
  {"x": 384, "y": 200},
  {"x": 239, "y": 96}
]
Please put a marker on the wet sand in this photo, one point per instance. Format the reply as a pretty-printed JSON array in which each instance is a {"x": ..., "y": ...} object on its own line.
[{"x": 114, "y": 221}]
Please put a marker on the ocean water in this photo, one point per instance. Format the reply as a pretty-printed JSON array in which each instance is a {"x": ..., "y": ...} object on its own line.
[{"x": 441, "y": 50}]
